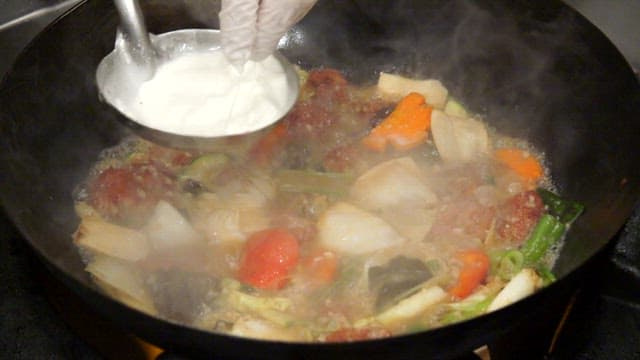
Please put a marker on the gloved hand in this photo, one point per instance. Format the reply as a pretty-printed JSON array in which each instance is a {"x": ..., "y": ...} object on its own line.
[{"x": 251, "y": 29}]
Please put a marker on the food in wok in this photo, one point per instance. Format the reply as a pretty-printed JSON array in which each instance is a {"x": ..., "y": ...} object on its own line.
[{"x": 368, "y": 212}]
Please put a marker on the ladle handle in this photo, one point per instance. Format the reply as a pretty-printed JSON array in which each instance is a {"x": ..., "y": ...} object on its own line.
[{"x": 136, "y": 37}]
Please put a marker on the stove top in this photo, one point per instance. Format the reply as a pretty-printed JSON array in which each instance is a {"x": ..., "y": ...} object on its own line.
[{"x": 602, "y": 321}]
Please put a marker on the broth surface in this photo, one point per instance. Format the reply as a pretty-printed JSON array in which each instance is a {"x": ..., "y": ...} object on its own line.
[{"x": 367, "y": 212}]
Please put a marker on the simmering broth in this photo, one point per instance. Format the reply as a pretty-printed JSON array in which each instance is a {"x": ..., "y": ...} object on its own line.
[{"x": 367, "y": 212}]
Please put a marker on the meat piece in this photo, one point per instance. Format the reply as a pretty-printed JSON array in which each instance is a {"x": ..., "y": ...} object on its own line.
[
  {"x": 129, "y": 194},
  {"x": 463, "y": 219},
  {"x": 328, "y": 84},
  {"x": 308, "y": 119},
  {"x": 341, "y": 158},
  {"x": 517, "y": 216}
]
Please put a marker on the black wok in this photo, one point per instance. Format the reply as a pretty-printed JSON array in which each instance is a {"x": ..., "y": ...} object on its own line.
[{"x": 534, "y": 69}]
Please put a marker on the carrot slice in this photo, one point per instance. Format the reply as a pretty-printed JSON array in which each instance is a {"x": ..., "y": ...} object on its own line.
[
  {"x": 475, "y": 267},
  {"x": 521, "y": 162},
  {"x": 405, "y": 128},
  {"x": 321, "y": 267}
]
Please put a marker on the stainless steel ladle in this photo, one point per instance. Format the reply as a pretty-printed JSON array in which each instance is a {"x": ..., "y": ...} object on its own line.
[{"x": 135, "y": 58}]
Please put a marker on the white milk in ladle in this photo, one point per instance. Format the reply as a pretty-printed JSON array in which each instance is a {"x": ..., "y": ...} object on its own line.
[{"x": 202, "y": 94}]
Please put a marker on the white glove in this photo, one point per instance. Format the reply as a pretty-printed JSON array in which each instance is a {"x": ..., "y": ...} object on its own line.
[{"x": 251, "y": 29}]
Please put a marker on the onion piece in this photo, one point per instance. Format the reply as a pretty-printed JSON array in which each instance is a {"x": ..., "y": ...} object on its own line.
[
  {"x": 265, "y": 330},
  {"x": 121, "y": 281},
  {"x": 167, "y": 228},
  {"x": 412, "y": 306},
  {"x": 102, "y": 237},
  {"x": 391, "y": 184},
  {"x": 458, "y": 139},
  {"x": 523, "y": 284},
  {"x": 398, "y": 86},
  {"x": 347, "y": 229}
]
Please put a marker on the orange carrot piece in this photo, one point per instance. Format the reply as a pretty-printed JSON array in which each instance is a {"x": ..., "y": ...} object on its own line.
[
  {"x": 405, "y": 128},
  {"x": 321, "y": 267},
  {"x": 521, "y": 162},
  {"x": 475, "y": 267}
]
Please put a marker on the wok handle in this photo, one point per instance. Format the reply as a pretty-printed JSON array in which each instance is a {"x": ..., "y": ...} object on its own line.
[{"x": 136, "y": 38}]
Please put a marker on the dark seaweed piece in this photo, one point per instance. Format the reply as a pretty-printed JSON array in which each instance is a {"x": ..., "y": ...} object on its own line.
[
  {"x": 193, "y": 187},
  {"x": 398, "y": 276},
  {"x": 181, "y": 296}
]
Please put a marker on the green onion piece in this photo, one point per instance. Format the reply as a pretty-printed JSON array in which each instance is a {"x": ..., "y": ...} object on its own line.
[
  {"x": 510, "y": 264},
  {"x": 205, "y": 168},
  {"x": 327, "y": 183},
  {"x": 565, "y": 210},
  {"x": 494, "y": 259},
  {"x": 467, "y": 311},
  {"x": 434, "y": 265},
  {"x": 546, "y": 275},
  {"x": 546, "y": 233}
]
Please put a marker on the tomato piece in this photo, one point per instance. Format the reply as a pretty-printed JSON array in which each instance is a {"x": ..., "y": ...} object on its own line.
[
  {"x": 475, "y": 267},
  {"x": 351, "y": 334},
  {"x": 268, "y": 258}
]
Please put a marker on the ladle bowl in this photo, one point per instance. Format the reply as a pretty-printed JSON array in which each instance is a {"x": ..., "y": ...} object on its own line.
[{"x": 137, "y": 54}]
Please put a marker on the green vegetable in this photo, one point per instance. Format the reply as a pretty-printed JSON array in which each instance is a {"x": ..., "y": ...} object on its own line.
[
  {"x": 509, "y": 264},
  {"x": 548, "y": 231},
  {"x": 546, "y": 275},
  {"x": 204, "y": 169},
  {"x": 452, "y": 107},
  {"x": 274, "y": 309},
  {"x": 436, "y": 266},
  {"x": 565, "y": 210},
  {"x": 350, "y": 270},
  {"x": 467, "y": 309},
  {"x": 328, "y": 183}
]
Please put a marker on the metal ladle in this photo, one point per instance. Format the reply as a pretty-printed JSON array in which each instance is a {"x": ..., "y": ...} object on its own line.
[{"x": 135, "y": 58}]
